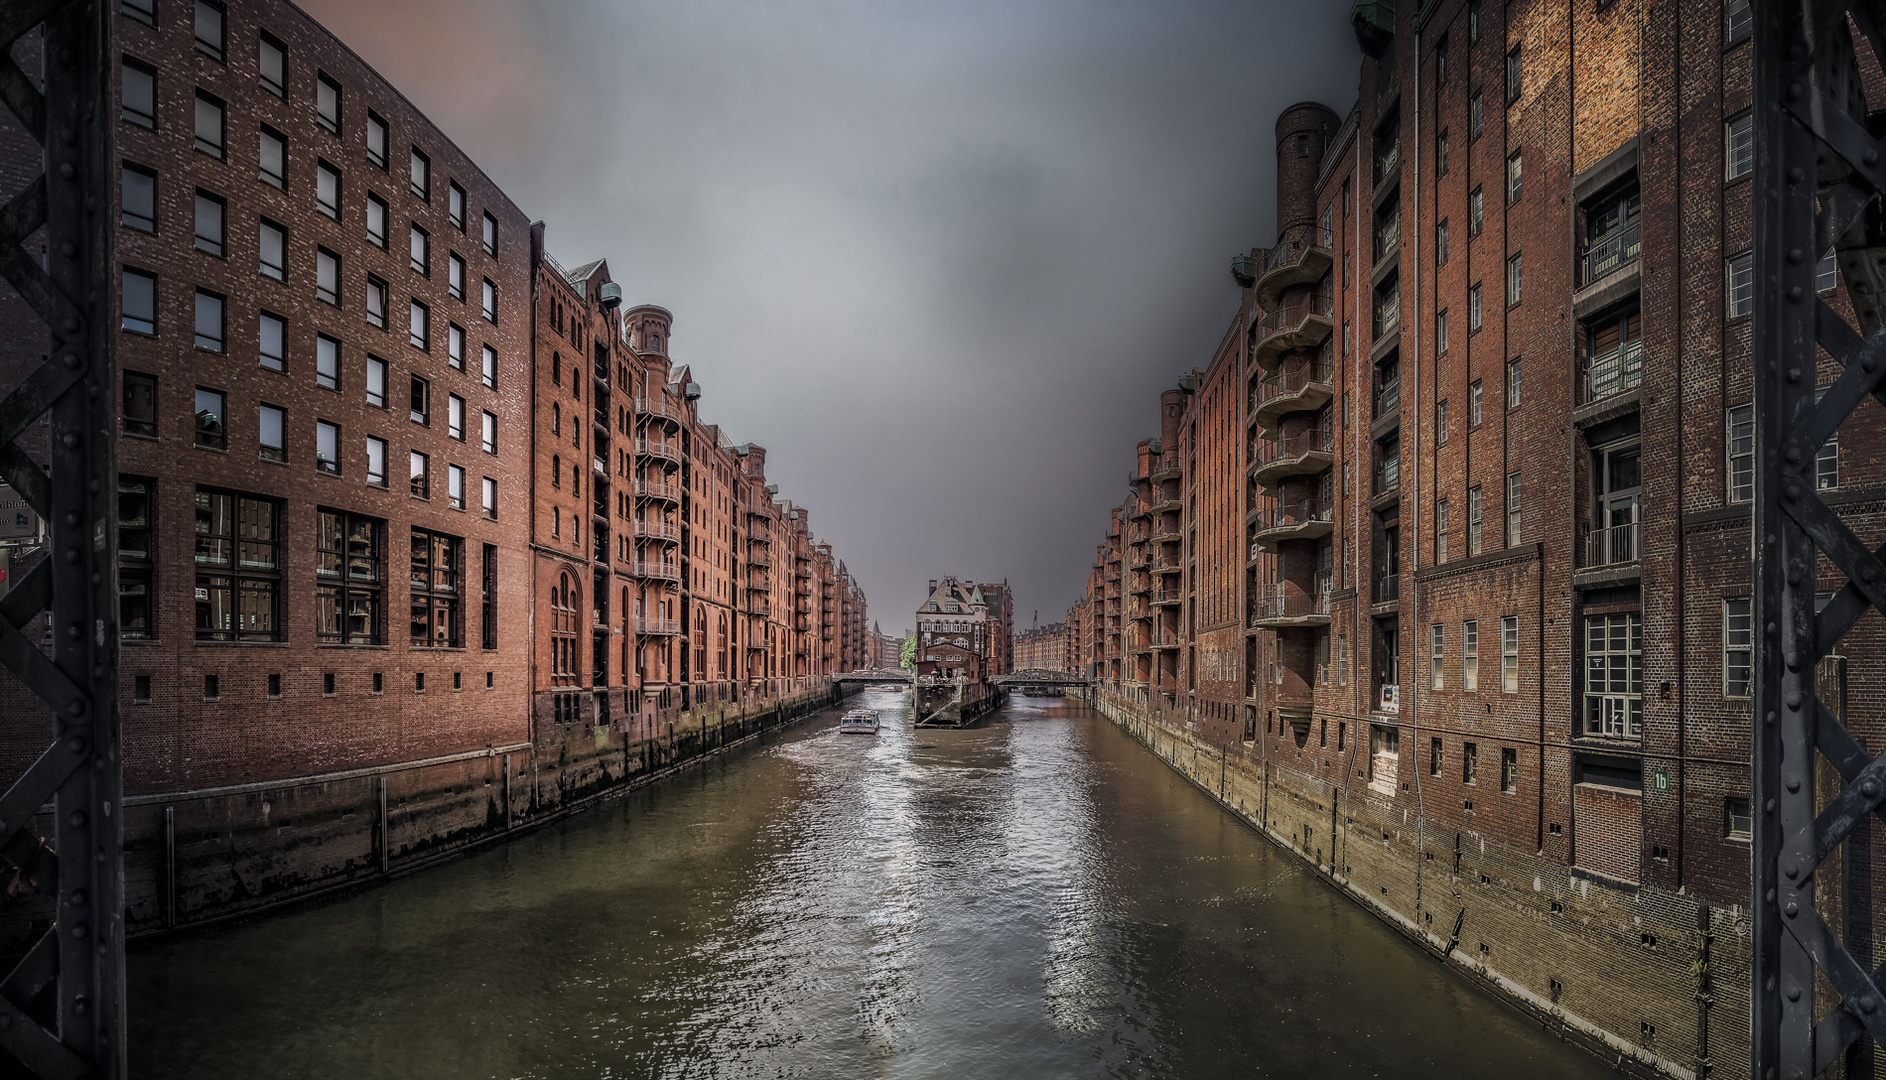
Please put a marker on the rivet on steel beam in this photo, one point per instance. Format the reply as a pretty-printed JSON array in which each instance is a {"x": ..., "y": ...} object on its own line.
[
  {"x": 1870, "y": 157},
  {"x": 1792, "y": 492},
  {"x": 75, "y": 708},
  {"x": 1794, "y": 455},
  {"x": 79, "y": 930},
  {"x": 1795, "y": 294},
  {"x": 1794, "y": 869},
  {"x": 1794, "y": 175},
  {"x": 1794, "y": 373},
  {"x": 80, "y": 1005},
  {"x": 77, "y": 820},
  {"x": 1794, "y": 700},
  {"x": 1794, "y": 992},
  {"x": 66, "y": 171},
  {"x": 71, "y": 325},
  {"x": 71, "y": 361},
  {"x": 70, "y": 440},
  {"x": 1794, "y": 91},
  {"x": 1867, "y": 573},
  {"x": 68, "y": 249},
  {"x": 1868, "y": 362},
  {"x": 1868, "y": 1004},
  {"x": 76, "y": 744},
  {"x": 1769, "y": 806},
  {"x": 1794, "y": 783},
  {"x": 1794, "y": 255},
  {"x": 77, "y": 898},
  {"x": 72, "y": 519},
  {"x": 1791, "y": 909},
  {"x": 1869, "y": 788}
]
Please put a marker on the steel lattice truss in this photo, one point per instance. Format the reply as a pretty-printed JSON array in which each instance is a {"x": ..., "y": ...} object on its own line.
[
  {"x": 1819, "y": 175},
  {"x": 81, "y": 957}
]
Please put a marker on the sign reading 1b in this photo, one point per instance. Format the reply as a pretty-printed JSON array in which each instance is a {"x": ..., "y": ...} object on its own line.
[{"x": 18, "y": 521}]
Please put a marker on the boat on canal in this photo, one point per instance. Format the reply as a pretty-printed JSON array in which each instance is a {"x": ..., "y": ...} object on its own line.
[{"x": 859, "y": 722}]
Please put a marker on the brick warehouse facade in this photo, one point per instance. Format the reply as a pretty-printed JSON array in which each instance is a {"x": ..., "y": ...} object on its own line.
[
  {"x": 305, "y": 258},
  {"x": 1438, "y": 571}
]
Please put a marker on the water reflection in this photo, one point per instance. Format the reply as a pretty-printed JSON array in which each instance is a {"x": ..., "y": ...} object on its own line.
[{"x": 1036, "y": 897}]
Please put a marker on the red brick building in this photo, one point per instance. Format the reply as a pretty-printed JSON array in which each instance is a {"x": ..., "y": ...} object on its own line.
[
  {"x": 1042, "y": 648},
  {"x": 1456, "y": 517}
]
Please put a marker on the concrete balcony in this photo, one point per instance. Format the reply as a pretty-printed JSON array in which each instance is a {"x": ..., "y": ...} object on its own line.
[
  {"x": 1306, "y": 453},
  {"x": 1168, "y": 596},
  {"x": 1167, "y": 565},
  {"x": 655, "y": 489},
  {"x": 1164, "y": 640},
  {"x": 1270, "y": 526},
  {"x": 1166, "y": 468},
  {"x": 1307, "y": 387},
  {"x": 1301, "y": 255},
  {"x": 1280, "y": 607},
  {"x": 1300, "y": 324}
]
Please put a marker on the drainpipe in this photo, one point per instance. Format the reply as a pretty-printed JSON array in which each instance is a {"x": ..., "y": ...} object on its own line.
[{"x": 1414, "y": 532}]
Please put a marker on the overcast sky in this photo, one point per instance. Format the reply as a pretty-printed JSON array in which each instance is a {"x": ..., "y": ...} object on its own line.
[{"x": 938, "y": 258}]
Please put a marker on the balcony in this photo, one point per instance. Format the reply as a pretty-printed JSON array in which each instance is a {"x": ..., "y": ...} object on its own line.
[
  {"x": 1388, "y": 399},
  {"x": 1305, "y": 520},
  {"x": 656, "y": 627},
  {"x": 1167, "y": 596},
  {"x": 1306, "y": 387},
  {"x": 661, "y": 450},
  {"x": 654, "y": 489},
  {"x": 1387, "y": 589},
  {"x": 1167, "y": 467},
  {"x": 1299, "y": 324},
  {"x": 1301, "y": 256},
  {"x": 657, "y": 530},
  {"x": 659, "y": 571},
  {"x": 658, "y": 408},
  {"x": 1168, "y": 564},
  {"x": 1167, "y": 534},
  {"x": 1165, "y": 639},
  {"x": 1614, "y": 545},
  {"x": 1303, "y": 454},
  {"x": 1615, "y": 372},
  {"x": 1281, "y": 607},
  {"x": 759, "y": 555},
  {"x": 1610, "y": 252},
  {"x": 1387, "y": 318},
  {"x": 760, "y": 605},
  {"x": 1163, "y": 503}
]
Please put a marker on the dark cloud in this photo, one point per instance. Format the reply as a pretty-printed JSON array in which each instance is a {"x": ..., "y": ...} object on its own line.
[{"x": 938, "y": 258}]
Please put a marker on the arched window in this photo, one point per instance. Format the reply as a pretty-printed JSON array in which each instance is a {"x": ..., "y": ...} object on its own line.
[
  {"x": 556, "y": 471},
  {"x": 556, "y": 419},
  {"x": 556, "y": 362}
]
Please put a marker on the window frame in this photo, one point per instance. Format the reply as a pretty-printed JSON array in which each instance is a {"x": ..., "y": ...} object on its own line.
[
  {"x": 126, "y": 113},
  {"x": 253, "y": 570},
  {"x": 343, "y": 582}
]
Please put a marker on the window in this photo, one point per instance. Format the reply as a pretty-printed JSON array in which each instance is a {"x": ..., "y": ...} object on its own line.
[
  {"x": 137, "y": 87},
  {"x": 1342, "y": 660},
  {"x": 144, "y": 11},
  {"x": 1437, "y": 642},
  {"x": 376, "y": 221},
  {"x": 1513, "y": 176},
  {"x": 455, "y": 487},
  {"x": 488, "y": 437},
  {"x": 1440, "y": 531},
  {"x": 209, "y": 125},
  {"x": 327, "y": 276},
  {"x": 140, "y": 404},
  {"x": 327, "y": 362},
  {"x": 1827, "y": 458},
  {"x": 135, "y": 564},
  {"x": 327, "y": 197},
  {"x": 1617, "y": 510},
  {"x": 376, "y": 302},
  {"x": 490, "y": 301},
  {"x": 1470, "y": 763},
  {"x": 1440, "y": 422},
  {"x": 1826, "y": 273},
  {"x": 1475, "y": 213},
  {"x": 421, "y": 174},
  {"x": 1440, "y": 339},
  {"x": 435, "y": 589},
  {"x": 376, "y": 139},
  {"x": 1509, "y": 770},
  {"x": 455, "y": 276},
  {"x": 376, "y": 382},
  {"x": 1476, "y": 114},
  {"x": 1741, "y": 447},
  {"x": 209, "y": 223},
  {"x": 1434, "y": 757},
  {"x": 420, "y": 252},
  {"x": 1473, "y": 520},
  {"x": 1738, "y": 146},
  {"x": 419, "y": 332},
  {"x": 271, "y": 342},
  {"x": 1738, "y": 645},
  {"x": 376, "y": 462},
  {"x": 1476, "y": 309},
  {"x": 421, "y": 475},
  {"x": 1513, "y": 280},
  {"x": 1512, "y": 509},
  {"x": 209, "y": 321},
  {"x": 1440, "y": 153},
  {"x": 327, "y": 104},
  {"x": 327, "y": 447},
  {"x": 272, "y": 158},
  {"x": 1473, "y": 20},
  {"x": 455, "y": 416},
  {"x": 350, "y": 559},
  {"x": 1509, "y": 654},
  {"x": 209, "y": 30},
  {"x": 270, "y": 422},
  {"x": 490, "y": 504},
  {"x": 1440, "y": 244},
  {"x": 1737, "y": 823},
  {"x": 491, "y": 234},
  {"x": 1514, "y": 75},
  {"x": 1473, "y": 404},
  {"x": 1614, "y": 676},
  {"x": 238, "y": 568},
  {"x": 137, "y": 200},
  {"x": 1470, "y": 655},
  {"x": 455, "y": 205},
  {"x": 1738, "y": 17},
  {"x": 421, "y": 401},
  {"x": 490, "y": 367},
  {"x": 1741, "y": 284},
  {"x": 272, "y": 242},
  {"x": 1512, "y": 383},
  {"x": 138, "y": 302}
]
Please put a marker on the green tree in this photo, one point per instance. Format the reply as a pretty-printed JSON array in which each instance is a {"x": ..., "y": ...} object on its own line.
[{"x": 907, "y": 658}]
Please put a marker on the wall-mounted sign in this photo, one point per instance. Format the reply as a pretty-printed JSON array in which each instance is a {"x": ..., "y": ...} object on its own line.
[{"x": 18, "y": 521}]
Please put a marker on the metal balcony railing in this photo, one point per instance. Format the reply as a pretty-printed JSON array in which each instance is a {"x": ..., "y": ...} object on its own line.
[
  {"x": 1614, "y": 544},
  {"x": 1294, "y": 243},
  {"x": 1387, "y": 588},
  {"x": 657, "y": 530},
  {"x": 1387, "y": 160},
  {"x": 1289, "y": 316},
  {"x": 645, "y": 624},
  {"x": 1388, "y": 398},
  {"x": 1279, "y": 601},
  {"x": 1314, "y": 440},
  {"x": 670, "y": 451},
  {"x": 1288, "y": 383},
  {"x": 650, "y": 489},
  {"x": 1619, "y": 370},
  {"x": 657, "y": 407},
  {"x": 1387, "y": 317},
  {"x": 1607, "y": 253},
  {"x": 760, "y": 605},
  {"x": 1387, "y": 237},
  {"x": 1290, "y": 515},
  {"x": 659, "y": 570}
]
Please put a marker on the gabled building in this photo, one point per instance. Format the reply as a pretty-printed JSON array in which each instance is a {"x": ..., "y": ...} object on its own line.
[{"x": 953, "y": 633}]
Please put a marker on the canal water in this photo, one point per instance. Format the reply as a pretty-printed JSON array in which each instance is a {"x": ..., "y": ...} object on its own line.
[{"x": 1036, "y": 897}]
